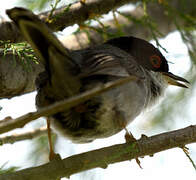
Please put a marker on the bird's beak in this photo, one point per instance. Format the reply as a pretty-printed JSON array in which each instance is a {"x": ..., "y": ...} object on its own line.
[{"x": 174, "y": 80}]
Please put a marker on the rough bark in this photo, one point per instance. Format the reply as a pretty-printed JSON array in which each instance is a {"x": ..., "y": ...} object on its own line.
[
  {"x": 65, "y": 16},
  {"x": 108, "y": 155}
]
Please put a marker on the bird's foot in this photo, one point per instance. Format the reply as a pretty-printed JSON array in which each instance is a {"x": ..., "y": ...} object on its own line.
[
  {"x": 52, "y": 154},
  {"x": 131, "y": 139}
]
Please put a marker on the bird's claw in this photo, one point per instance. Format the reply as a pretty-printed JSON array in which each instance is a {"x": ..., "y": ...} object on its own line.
[{"x": 131, "y": 139}]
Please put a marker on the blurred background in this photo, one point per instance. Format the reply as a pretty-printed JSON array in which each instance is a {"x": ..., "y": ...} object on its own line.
[{"x": 175, "y": 37}]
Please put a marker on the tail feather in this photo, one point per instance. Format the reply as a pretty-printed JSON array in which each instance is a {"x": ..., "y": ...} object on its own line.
[{"x": 55, "y": 57}]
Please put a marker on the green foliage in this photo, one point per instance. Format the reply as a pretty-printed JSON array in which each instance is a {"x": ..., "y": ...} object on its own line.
[
  {"x": 22, "y": 50},
  {"x": 102, "y": 29},
  {"x": 53, "y": 9},
  {"x": 187, "y": 28}
]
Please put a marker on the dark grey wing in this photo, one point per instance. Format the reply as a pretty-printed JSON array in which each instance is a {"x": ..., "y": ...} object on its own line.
[{"x": 106, "y": 60}]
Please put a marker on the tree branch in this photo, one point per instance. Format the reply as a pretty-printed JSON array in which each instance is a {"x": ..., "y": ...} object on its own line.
[
  {"x": 105, "y": 156},
  {"x": 23, "y": 136},
  {"x": 75, "y": 13},
  {"x": 156, "y": 12},
  {"x": 10, "y": 86},
  {"x": 10, "y": 124}
]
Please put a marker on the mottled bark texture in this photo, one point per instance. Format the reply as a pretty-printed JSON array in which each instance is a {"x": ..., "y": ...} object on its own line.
[{"x": 108, "y": 155}]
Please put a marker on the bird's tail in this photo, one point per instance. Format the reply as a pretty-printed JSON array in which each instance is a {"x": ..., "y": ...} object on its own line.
[{"x": 55, "y": 57}]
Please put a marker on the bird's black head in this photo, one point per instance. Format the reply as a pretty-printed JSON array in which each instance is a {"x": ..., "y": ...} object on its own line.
[
  {"x": 144, "y": 53},
  {"x": 148, "y": 57}
]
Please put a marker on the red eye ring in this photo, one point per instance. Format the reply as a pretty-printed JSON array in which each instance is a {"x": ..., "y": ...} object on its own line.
[{"x": 155, "y": 61}]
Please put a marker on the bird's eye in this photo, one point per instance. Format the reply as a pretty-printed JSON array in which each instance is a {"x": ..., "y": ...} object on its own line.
[{"x": 155, "y": 61}]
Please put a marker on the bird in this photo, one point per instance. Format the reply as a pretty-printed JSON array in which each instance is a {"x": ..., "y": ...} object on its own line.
[{"x": 70, "y": 72}]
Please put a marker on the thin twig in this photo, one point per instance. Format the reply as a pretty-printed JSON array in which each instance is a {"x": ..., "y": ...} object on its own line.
[
  {"x": 61, "y": 105},
  {"x": 23, "y": 136},
  {"x": 186, "y": 152}
]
